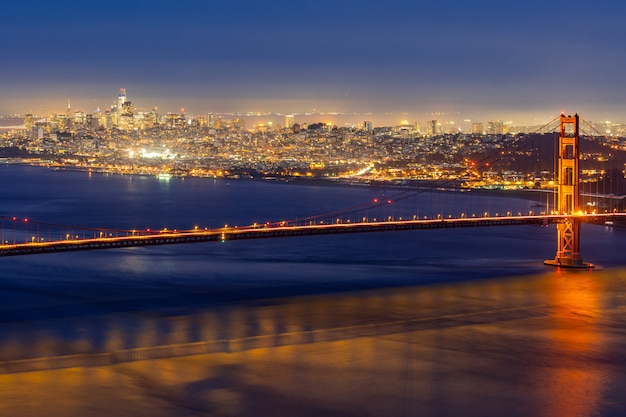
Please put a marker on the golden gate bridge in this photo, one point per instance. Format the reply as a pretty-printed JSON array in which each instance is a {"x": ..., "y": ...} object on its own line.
[{"x": 22, "y": 236}]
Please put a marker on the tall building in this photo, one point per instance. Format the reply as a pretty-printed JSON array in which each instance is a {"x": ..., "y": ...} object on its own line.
[
  {"x": 289, "y": 121},
  {"x": 79, "y": 118},
  {"x": 121, "y": 98},
  {"x": 477, "y": 128},
  {"x": 29, "y": 125},
  {"x": 68, "y": 116},
  {"x": 62, "y": 123},
  {"x": 495, "y": 128},
  {"x": 154, "y": 116},
  {"x": 367, "y": 125},
  {"x": 105, "y": 119},
  {"x": 29, "y": 121},
  {"x": 128, "y": 109},
  {"x": 431, "y": 128}
]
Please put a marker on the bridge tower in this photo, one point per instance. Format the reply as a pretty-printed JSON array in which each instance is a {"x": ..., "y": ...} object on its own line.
[{"x": 568, "y": 238}]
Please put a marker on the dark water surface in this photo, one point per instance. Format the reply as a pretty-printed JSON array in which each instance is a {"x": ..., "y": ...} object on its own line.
[{"x": 424, "y": 323}]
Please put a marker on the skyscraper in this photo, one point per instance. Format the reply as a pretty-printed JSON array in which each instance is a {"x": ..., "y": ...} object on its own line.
[
  {"x": 431, "y": 128},
  {"x": 495, "y": 128},
  {"x": 121, "y": 99},
  {"x": 289, "y": 121},
  {"x": 29, "y": 121}
]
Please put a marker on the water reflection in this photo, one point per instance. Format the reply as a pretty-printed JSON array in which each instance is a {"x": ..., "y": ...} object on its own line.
[
  {"x": 524, "y": 346},
  {"x": 574, "y": 378}
]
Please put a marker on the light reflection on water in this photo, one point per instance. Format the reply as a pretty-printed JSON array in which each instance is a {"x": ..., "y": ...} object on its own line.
[
  {"x": 533, "y": 345},
  {"x": 575, "y": 382}
]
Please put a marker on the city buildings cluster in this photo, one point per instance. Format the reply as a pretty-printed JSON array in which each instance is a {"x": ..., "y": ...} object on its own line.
[{"x": 124, "y": 140}]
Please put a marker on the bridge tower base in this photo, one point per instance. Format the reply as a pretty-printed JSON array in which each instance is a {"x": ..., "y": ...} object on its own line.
[
  {"x": 568, "y": 239},
  {"x": 568, "y": 252}
]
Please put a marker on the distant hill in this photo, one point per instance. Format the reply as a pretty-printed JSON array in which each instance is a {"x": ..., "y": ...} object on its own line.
[{"x": 536, "y": 153}]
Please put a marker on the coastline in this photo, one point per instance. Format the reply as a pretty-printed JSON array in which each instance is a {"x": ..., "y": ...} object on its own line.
[
  {"x": 399, "y": 184},
  {"x": 544, "y": 198}
]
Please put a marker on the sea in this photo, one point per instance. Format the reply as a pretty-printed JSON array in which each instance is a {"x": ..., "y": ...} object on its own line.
[{"x": 427, "y": 322}]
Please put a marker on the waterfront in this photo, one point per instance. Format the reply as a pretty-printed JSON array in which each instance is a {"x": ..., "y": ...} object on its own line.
[{"x": 441, "y": 322}]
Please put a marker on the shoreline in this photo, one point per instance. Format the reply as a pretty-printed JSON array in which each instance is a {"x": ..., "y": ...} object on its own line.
[
  {"x": 416, "y": 185},
  {"x": 410, "y": 184}
]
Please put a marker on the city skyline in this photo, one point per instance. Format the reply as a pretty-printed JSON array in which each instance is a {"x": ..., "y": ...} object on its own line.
[
  {"x": 502, "y": 62},
  {"x": 447, "y": 122}
]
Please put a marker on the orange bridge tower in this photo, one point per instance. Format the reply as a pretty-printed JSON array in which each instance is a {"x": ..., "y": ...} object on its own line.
[{"x": 568, "y": 239}]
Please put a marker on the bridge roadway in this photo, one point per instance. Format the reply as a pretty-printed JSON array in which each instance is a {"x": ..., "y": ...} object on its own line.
[{"x": 262, "y": 231}]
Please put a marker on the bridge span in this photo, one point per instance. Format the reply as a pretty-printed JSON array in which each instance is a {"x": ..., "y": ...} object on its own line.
[{"x": 165, "y": 237}]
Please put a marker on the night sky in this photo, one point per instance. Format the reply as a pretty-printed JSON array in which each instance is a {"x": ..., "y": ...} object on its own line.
[{"x": 523, "y": 61}]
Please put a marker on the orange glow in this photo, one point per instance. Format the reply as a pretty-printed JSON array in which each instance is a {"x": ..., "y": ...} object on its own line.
[{"x": 573, "y": 390}]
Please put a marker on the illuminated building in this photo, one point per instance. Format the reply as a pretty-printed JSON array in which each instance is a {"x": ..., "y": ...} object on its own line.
[
  {"x": 68, "y": 117},
  {"x": 79, "y": 117},
  {"x": 29, "y": 125},
  {"x": 477, "y": 128},
  {"x": 52, "y": 123},
  {"x": 105, "y": 119},
  {"x": 121, "y": 99},
  {"x": 495, "y": 128},
  {"x": 289, "y": 121},
  {"x": 154, "y": 116},
  {"x": 173, "y": 120},
  {"x": 62, "y": 123},
  {"x": 29, "y": 121},
  {"x": 431, "y": 128}
]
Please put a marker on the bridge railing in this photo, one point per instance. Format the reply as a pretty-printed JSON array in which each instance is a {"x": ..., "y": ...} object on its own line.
[{"x": 28, "y": 241}]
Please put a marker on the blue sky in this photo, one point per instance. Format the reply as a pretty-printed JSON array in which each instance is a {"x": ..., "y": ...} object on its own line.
[{"x": 484, "y": 59}]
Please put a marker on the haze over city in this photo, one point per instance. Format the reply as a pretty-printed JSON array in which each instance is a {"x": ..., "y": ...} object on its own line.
[{"x": 481, "y": 60}]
